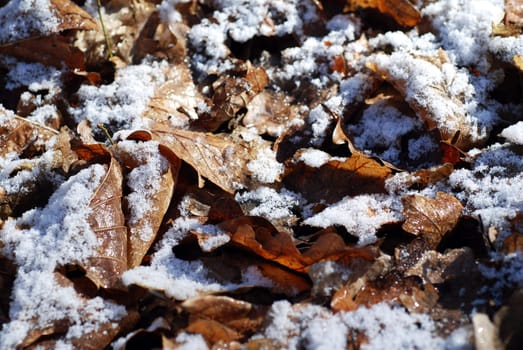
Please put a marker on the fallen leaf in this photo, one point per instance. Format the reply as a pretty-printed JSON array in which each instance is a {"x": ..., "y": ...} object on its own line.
[
  {"x": 107, "y": 221},
  {"x": 22, "y": 136},
  {"x": 231, "y": 95},
  {"x": 402, "y": 11},
  {"x": 52, "y": 50},
  {"x": 358, "y": 174},
  {"x": 143, "y": 224},
  {"x": 177, "y": 101},
  {"x": 220, "y": 158},
  {"x": 514, "y": 13},
  {"x": 431, "y": 218}
]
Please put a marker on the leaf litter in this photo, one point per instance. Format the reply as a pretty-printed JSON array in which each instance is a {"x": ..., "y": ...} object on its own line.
[{"x": 282, "y": 174}]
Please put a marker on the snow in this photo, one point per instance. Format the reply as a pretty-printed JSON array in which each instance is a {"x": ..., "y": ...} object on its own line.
[
  {"x": 382, "y": 127},
  {"x": 122, "y": 102},
  {"x": 465, "y": 27},
  {"x": 55, "y": 235},
  {"x": 314, "y": 327},
  {"x": 360, "y": 215},
  {"x": 269, "y": 203},
  {"x": 264, "y": 167},
  {"x": 514, "y": 133},
  {"x": 22, "y": 19}
]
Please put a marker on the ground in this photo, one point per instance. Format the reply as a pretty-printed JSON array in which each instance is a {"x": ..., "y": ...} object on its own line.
[{"x": 261, "y": 174}]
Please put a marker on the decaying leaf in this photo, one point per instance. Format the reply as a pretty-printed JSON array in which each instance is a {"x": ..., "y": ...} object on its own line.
[
  {"x": 221, "y": 318},
  {"x": 431, "y": 218},
  {"x": 403, "y": 12},
  {"x": 107, "y": 221},
  {"x": 232, "y": 94},
  {"x": 53, "y": 50}
]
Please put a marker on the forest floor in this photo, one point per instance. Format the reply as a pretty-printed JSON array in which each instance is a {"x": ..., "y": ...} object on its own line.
[{"x": 261, "y": 174}]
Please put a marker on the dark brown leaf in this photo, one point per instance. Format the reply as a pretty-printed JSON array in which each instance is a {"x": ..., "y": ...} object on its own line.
[
  {"x": 402, "y": 11},
  {"x": 431, "y": 218}
]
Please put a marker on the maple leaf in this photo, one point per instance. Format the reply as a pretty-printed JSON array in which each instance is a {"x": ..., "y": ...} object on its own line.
[{"x": 431, "y": 218}]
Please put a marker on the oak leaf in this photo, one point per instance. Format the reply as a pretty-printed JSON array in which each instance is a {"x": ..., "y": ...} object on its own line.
[{"x": 431, "y": 218}]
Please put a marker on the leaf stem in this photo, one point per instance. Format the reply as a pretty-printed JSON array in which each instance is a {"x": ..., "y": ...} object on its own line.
[
  {"x": 106, "y": 132},
  {"x": 107, "y": 42}
]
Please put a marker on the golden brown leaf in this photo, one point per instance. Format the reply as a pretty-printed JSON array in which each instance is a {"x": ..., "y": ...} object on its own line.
[
  {"x": 356, "y": 175},
  {"x": 431, "y": 218},
  {"x": 220, "y": 158}
]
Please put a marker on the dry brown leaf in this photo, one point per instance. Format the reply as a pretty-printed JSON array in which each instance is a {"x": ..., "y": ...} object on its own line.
[
  {"x": 21, "y": 135},
  {"x": 107, "y": 221},
  {"x": 221, "y": 318},
  {"x": 232, "y": 94},
  {"x": 176, "y": 102},
  {"x": 162, "y": 40},
  {"x": 53, "y": 50},
  {"x": 142, "y": 230},
  {"x": 426, "y": 177},
  {"x": 431, "y": 218},
  {"x": 220, "y": 158},
  {"x": 402, "y": 11},
  {"x": 72, "y": 16},
  {"x": 260, "y": 237},
  {"x": 358, "y": 174}
]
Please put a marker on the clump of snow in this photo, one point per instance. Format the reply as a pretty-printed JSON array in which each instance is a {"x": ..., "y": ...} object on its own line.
[
  {"x": 314, "y": 327},
  {"x": 493, "y": 188},
  {"x": 392, "y": 327},
  {"x": 362, "y": 215},
  {"x": 464, "y": 28},
  {"x": 35, "y": 76},
  {"x": 178, "y": 279},
  {"x": 313, "y": 157},
  {"x": 264, "y": 167},
  {"x": 38, "y": 242},
  {"x": 122, "y": 102},
  {"x": 514, "y": 133},
  {"x": 185, "y": 341},
  {"x": 269, "y": 203},
  {"x": 507, "y": 274},
  {"x": 21, "y": 19}
]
